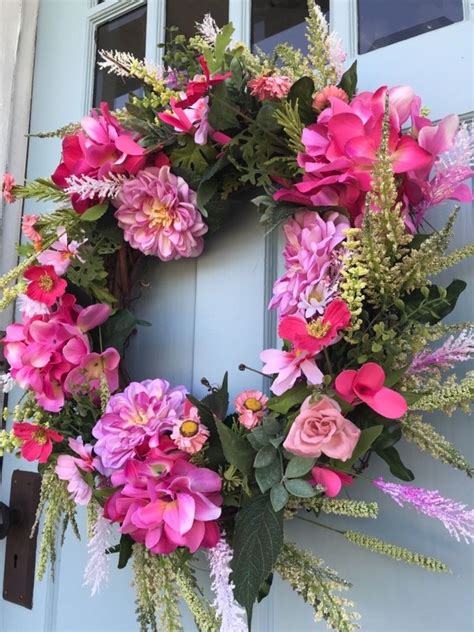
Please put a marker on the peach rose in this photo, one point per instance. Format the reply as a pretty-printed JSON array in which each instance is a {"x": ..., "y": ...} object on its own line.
[{"x": 320, "y": 428}]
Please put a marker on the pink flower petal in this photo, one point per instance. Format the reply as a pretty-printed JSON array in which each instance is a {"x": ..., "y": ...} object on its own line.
[{"x": 389, "y": 403}]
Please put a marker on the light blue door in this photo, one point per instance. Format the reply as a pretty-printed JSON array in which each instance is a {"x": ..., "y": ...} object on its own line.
[{"x": 209, "y": 316}]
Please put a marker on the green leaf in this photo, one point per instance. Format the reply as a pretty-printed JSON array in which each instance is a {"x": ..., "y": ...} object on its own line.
[
  {"x": 94, "y": 213},
  {"x": 434, "y": 309},
  {"x": 366, "y": 439},
  {"x": 206, "y": 191},
  {"x": 125, "y": 550},
  {"x": 298, "y": 466},
  {"x": 116, "y": 330},
  {"x": 258, "y": 538},
  {"x": 349, "y": 80},
  {"x": 292, "y": 397},
  {"x": 222, "y": 114},
  {"x": 258, "y": 437},
  {"x": 271, "y": 426},
  {"x": 265, "y": 456},
  {"x": 218, "y": 399},
  {"x": 222, "y": 42},
  {"x": 299, "y": 487},
  {"x": 237, "y": 450},
  {"x": 302, "y": 93},
  {"x": 269, "y": 476},
  {"x": 397, "y": 468},
  {"x": 279, "y": 497}
]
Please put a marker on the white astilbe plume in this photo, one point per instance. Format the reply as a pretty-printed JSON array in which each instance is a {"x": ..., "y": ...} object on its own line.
[
  {"x": 29, "y": 307},
  {"x": 127, "y": 65},
  {"x": 455, "y": 349},
  {"x": 231, "y": 614},
  {"x": 96, "y": 573},
  {"x": 336, "y": 54},
  {"x": 89, "y": 188},
  {"x": 208, "y": 29}
]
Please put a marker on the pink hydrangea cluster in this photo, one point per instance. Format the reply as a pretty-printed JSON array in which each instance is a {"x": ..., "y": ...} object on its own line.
[
  {"x": 43, "y": 350},
  {"x": 159, "y": 216},
  {"x": 311, "y": 263},
  {"x": 341, "y": 149},
  {"x": 165, "y": 502},
  {"x": 100, "y": 148},
  {"x": 135, "y": 419}
]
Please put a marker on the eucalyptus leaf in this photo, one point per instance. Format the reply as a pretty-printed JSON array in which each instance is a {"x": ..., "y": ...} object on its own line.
[
  {"x": 300, "y": 488},
  {"x": 279, "y": 497},
  {"x": 265, "y": 456},
  {"x": 298, "y": 466},
  {"x": 268, "y": 476}
]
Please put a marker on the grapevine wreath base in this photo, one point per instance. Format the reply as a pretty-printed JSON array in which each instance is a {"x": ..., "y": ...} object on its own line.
[{"x": 352, "y": 177}]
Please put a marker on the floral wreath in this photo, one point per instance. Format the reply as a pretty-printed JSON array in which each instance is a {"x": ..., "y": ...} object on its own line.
[{"x": 351, "y": 176}]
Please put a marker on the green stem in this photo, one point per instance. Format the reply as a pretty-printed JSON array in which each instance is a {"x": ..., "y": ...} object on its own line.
[{"x": 320, "y": 524}]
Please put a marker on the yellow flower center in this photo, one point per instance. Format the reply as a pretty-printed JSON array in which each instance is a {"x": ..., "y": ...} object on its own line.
[
  {"x": 40, "y": 437},
  {"x": 140, "y": 418},
  {"x": 46, "y": 282},
  {"x": 316, "y": 295},
  {"x": 253, "y": 404},
  {"x": 318, "y": 328},
  {"x": 189, "y": 428},
  {"x": 160, "y": 215}
]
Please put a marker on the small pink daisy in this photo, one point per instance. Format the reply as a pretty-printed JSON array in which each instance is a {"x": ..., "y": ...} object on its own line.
[
  {"x": 251, "y": 406},
  {"x": 189, "y": 434}
]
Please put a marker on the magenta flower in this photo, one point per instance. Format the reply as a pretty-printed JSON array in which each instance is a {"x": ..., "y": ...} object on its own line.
[
  {"x": 137, "y": 418},
  {"x": 251, "y": 407},
  {"x": 166, "y": 503},
  {"x": 61, "y": 252},
  {"x": 193, "y": 120},
  {"x": 289, "y": 366},
  {"x": 69, "y": 468},
  {"x": 159, "y": 216},
  {"x": 330, "y": 480},
  {"x": 86, "y": 378},
  {"x": 311, "y": 257},
  {"x": 367, "y": 385},
  {"x": 8, "y": 184},
  {"x": 269, "y": 87},
  {"x": 37, "y": 441},
  {"x": 189, "y": 434},
  {"x": 44, "y": 284}
]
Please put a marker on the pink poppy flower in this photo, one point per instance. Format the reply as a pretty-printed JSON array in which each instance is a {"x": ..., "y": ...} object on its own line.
[
  {"x": 159, "y": 216},
  {"x": 166, "y": 503},
  {"x": 289, "y": 365},
  {"x": 44, "y": 284},
  {"x": 367, "y": 385},
  {"x": 330, "y": 480},
  {"x": 8, "y": 184},
  {"x": 269, "y": 87},
  {"x": 251, "y": 406},
  {"x": 318, "y": 333},
  {"x": 321, "y": 99},
  {"x": 189, "y": 434},
  {"x": 320, "y": 428},
  {"x": 85, "y": 379},
  {"x": 28, "y": 228},
  {"x": 37, "y": 441},
  {"x": 68, "y": 468},
  {"x": 61, "y": 253}
]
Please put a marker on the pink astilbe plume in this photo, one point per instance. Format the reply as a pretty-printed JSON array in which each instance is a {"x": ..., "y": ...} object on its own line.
[
  {"x": 457, "y": 519},
  {"x": 453, "y": 350}
]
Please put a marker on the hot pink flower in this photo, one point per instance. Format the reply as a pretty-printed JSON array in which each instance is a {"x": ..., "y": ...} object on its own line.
[
  {"x": 189, "y": 434},
  {"x": 321, "y": 100},
  {"x": 367, "y": 385},
  {"x": 251, "y": 406},
  {"x": 69, "y": 468},
  {"x": 269, "y": 87},
  {"x": 61, "y": 252},
  {"x": 37, "y": 441},
  {"x": 43, "y": 349},
  {"x": 44, "y": 284},
  {"x": 311, "y": 257},
  {"x": 320, "y": 428},
  {"x": 332, "y": 481},
  {"x": 28, "y": 228},
  {"x": 86, "y": 378},
  {"x": 137, "y": 418},
  {"x": 159, "y": 216},
  {"x": 201, "y": 84},
  {"x": 193, "y": 120},
  {"x": 8, "y": 183},
  {"x": 319, "y": 333},
  {"x": 289, "y": 365},
  {"x": 102, "y": 147},
  {"x": 167, "y": 503}
]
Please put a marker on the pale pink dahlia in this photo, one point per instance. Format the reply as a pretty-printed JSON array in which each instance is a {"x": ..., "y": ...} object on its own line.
[
  {"x": 251, "y": 406},
  {"x": 135, "y": 419},
  {"x": 159, "y": 216},
  {"x": 270, "y": 87}
]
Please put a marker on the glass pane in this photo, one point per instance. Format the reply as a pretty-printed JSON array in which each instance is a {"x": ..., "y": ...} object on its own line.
[
  {"x": 185, "y": 13},
  {"x": 277, "y": 21},
  {"x": 126, "y": 33},
  {"x": 382, "y": 23}
]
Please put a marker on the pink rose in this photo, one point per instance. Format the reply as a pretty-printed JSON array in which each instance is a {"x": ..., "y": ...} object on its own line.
[{"x": 319, "y": 429}]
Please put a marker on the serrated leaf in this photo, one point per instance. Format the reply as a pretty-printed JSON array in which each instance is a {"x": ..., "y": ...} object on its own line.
[
  {"x": 94, "y": 213},
  {"x": 268, "y": 476},
  {"x": 300, "y": 488},
  {"x": 279, "y": 497},
  {"x": 237, "y": 450},
  {"x": 258, "y": 538},
  {"x": 265, "y": 456},
  {"x": 298, "y": 466}
]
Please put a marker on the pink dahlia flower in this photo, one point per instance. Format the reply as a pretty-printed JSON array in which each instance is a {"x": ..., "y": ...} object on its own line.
[
  {"x": 269, "y": 87},
  {"x": 159, "y": 216},
  {"x": 44, "y": 349},
  {"x": 8, "y": 184},
  {"x": 166, "y": 503},
  {"x": 135, "y": 419},
  {"x": 311, "y": 257},
  {"x": 251, "y": 406},
  {"x": 102, "y": 147},
  {"x": 189, "y": 434},
  {"x": 70, "y": 468},
  {"x": 28, "y": 228}
]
